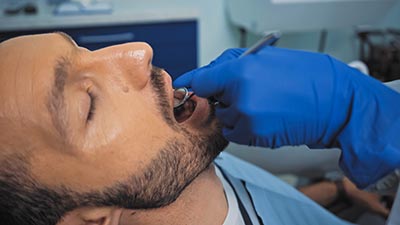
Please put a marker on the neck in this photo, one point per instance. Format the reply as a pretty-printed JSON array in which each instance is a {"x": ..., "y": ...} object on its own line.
[{"x": 203, "y": 202}]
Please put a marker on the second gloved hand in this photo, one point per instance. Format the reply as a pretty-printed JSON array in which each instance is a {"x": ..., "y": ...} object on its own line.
[{"x": 282, "y": 97}]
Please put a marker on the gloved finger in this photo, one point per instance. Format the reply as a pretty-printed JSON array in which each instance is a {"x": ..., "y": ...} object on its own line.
[
  {"x": 213, "y": 81},
  {"x": 185, "y": 79},
  {"x": 228, "y": 54},
  {"x": 227, "y": 97},
  {"x": 227, "y": 116},
  {"x": 239, "y": 134}
]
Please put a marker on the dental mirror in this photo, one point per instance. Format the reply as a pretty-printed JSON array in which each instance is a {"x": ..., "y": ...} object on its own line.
[{"x": 181, "y": 95}]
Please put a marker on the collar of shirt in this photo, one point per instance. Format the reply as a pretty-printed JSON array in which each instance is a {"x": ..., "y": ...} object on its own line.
[{"x": 233, "y": 216}]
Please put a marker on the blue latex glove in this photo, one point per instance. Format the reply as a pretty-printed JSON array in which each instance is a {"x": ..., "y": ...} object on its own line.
[{"x": 282, "y": 97}]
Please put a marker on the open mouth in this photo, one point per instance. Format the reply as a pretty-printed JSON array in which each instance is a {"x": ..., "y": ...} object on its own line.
[{"x": 185, "y": 111}]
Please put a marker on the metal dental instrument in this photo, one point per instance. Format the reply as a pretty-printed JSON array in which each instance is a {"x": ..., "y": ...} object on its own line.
[
  {"x": 181, "y": 95},
  {"x": 269, "y": 39}
]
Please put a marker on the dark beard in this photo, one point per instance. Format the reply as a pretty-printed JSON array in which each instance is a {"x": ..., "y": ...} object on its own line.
[
  {"x": 169, "y": 173},
  {"x": 177, "y": 164},
  {"x": 191, "y": 155},
  {"x": 24, "y": 200}
]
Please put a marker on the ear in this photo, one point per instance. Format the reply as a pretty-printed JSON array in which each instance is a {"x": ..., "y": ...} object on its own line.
[
  {"x": 100, "y": 216},
  {"x": 92, "y": 216}
]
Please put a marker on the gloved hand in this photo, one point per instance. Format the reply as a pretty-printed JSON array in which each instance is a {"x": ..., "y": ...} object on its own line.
[{"x": 279, "y": 97}]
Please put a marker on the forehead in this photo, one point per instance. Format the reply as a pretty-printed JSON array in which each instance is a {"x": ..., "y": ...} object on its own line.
[
  {"x": 29, "y": 56},
  {"x": 27, "y": 53},
  {"x": 26, "y": 75},
  {"x": 28, "y": 61},
  {"x": 38, "y": 46}
]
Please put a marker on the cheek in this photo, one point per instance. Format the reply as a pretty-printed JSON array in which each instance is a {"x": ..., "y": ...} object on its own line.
[
  {"x": 77, "y": 106},
  {"x": 91, "y": 170},
  {"x": 133, "y": 116},
  {"x": 147, "y": 125}
]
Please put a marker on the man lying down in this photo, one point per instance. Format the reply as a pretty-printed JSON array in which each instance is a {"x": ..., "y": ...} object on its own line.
[{"x": 90, "y": 138}]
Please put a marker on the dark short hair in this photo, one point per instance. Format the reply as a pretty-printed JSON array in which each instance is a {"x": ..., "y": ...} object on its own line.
[{"x": 23, "y": 201}]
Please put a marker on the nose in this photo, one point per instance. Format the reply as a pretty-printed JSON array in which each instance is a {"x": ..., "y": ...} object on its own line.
[{"x": 132, "y": 61}]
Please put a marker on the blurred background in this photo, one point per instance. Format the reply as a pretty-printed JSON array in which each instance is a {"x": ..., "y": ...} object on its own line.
[{"x": 186, "y": 34}]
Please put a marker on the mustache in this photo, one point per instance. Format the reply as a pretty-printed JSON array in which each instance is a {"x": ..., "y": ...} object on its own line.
[{"x": 164, "y": 106}]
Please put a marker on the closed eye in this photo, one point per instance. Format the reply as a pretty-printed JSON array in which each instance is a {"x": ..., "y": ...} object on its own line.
[{"x": 92, "y": 108}]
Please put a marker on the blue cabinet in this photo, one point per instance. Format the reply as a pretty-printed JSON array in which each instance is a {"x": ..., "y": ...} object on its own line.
[{"x": 174, "y": 43}]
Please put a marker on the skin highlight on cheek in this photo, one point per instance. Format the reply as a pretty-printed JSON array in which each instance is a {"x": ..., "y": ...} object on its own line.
[{"x": 100, "y": 136}]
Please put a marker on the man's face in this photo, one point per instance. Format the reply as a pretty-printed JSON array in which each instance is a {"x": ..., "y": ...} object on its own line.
[{"x": 98, "y": 121}]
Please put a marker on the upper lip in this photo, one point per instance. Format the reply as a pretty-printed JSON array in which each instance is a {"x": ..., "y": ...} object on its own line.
[
  {"x": 168, "y": 84},
  {"x": 170, "y": 89}
]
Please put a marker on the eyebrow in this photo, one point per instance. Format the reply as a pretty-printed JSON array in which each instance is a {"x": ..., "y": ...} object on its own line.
[{"x": 56, "y": 100}]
